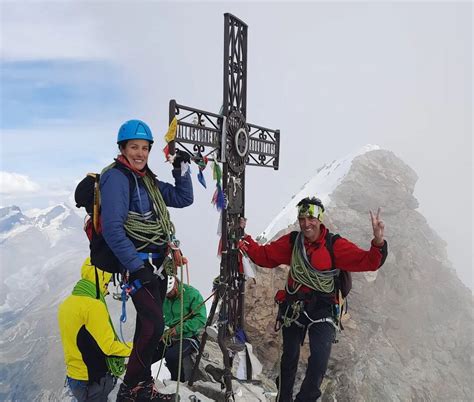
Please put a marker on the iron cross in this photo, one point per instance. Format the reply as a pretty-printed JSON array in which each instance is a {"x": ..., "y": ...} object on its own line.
[{"x": 229, "y": 139}]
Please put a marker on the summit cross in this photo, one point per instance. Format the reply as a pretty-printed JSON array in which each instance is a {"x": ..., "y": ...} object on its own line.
[{"x": 228, "y": 138}]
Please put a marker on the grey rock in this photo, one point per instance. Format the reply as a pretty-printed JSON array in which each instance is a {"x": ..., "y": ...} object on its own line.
[{"x": 409, "y": 334}]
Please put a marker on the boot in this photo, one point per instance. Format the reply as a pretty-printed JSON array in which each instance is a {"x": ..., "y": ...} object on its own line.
[
  {"x": 127, "y": 394},
  {"x": 149, "y": 392},
  {"x": 215, "y": 373}
]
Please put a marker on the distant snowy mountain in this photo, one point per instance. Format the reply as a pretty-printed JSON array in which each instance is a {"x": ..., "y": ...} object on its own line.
[
  {"x": 321, "y": 185},
  {"x": 41, "y": 257},
  {"x": 11, "y": 217},
  {"x": 42, "y": 252},
  {"x": 31, "y": 247},
  {"x": 54, "y": 222}
]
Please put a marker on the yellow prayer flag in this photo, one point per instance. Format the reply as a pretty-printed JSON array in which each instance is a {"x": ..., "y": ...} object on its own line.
[{"x": 171, "y": 134}]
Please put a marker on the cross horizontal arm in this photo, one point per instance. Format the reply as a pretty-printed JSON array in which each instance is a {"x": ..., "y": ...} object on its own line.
[
  {"x": 201, "y": 129},
  {"x": 264, "y": 147},
  {"x": 260, "y": 146}
]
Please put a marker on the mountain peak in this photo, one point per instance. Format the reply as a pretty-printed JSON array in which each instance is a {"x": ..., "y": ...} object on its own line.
[
  {"x": 48, "y": 216},
  {"x": 321, "y": 185},
  {"x": 11, "y": 216},
  {"x": 52, "y": 219},
  {"x": 410, "y": 321}
]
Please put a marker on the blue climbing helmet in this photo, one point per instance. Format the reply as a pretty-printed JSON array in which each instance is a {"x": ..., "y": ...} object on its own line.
[{"x": 134, "y": 130}]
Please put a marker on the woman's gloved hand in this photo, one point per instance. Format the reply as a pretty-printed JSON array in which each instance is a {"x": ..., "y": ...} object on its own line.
[
  {"x": 144, "y": 274},
  {"x": 181, "y": 156}
]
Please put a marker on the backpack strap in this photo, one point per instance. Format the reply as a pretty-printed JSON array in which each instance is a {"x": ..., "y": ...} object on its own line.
[
  {"x": 127, "y": 172},
  {"x": 96, "y": 204},
  {"x": 330, "y": 240},
  {"x": 293, "y": 236}
]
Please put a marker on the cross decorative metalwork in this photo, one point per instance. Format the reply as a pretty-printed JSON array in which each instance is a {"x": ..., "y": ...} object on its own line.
[{"x": 228, "y": 138}]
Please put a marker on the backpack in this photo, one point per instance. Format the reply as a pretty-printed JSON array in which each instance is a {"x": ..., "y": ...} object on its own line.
[
  {"x": 343, "y": 282},
  {"x": 87, "y": 195}
]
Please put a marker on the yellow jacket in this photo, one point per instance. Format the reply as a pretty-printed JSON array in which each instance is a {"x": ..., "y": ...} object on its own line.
[{"x": 86, "y": 332}]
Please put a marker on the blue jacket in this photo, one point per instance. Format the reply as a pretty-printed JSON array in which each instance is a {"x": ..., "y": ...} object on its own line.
[{"x": 116, "y": 202}]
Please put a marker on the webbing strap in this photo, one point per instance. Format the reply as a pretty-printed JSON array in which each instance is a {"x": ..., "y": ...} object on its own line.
[
  {"x": 325, "y": 319},
  {"x": 147, "y": 256}
]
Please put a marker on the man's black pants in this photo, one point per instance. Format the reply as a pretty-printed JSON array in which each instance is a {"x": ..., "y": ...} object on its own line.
[
  {"x": 171, "y": 355},
  {"x": 321, "y": 337}
]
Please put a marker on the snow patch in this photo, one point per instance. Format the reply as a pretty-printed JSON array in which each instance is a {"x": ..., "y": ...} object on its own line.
[
  {"x": 17, "y": 229},
  {"x": 321, "y": 185}
]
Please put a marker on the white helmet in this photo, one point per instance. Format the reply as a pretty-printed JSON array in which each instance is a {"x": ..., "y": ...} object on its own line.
[{"x": 171, "y": 282}]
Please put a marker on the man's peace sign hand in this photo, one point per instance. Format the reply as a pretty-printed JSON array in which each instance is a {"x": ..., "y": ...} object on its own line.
[{"x": 378, "y": 227}]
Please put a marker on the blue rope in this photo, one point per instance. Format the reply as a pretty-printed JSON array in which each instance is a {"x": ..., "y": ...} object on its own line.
[
  {"x": 123, "y": 317},
  {"x": 127, "y": 289}
]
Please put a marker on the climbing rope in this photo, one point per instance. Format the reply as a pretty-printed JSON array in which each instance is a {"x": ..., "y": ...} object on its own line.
[
  {"x": 156, "y": 231},
  {"x": 181, "y": 326},
  {"x": 302, "y": 272},
  {"x": 167, "y": 341},
  {"x": 166, "y": 338},
  {"x": 296, "y": 309},
  {"x": 149, "y": 231}
]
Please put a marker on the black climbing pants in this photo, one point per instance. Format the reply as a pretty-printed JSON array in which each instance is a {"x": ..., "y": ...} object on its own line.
[
  {"x": 148, "y": 331},
  {"x": 321, "y": 337}
]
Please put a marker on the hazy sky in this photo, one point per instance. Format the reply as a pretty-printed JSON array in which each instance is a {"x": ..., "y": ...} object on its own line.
[{"x": 332, "y": 76}]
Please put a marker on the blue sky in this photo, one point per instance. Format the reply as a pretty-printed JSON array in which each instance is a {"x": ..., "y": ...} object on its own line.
[
  {"x": 332, "y": 76},
  {"x": 52, "y": 111},
  {"x": 38, "y": 93}
]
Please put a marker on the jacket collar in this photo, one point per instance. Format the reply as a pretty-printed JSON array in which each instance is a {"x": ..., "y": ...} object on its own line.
[{"x": 122, "y": 160}]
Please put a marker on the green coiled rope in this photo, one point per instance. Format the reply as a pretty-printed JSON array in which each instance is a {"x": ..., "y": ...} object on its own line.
[
  {"x": 158, "y": 231},
  {"x": 302, "y": 272}
]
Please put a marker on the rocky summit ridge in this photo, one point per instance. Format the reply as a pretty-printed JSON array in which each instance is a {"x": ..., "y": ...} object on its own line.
[
  {"x": 409, "y": 330},
  {"x": 407, "y": 337}
]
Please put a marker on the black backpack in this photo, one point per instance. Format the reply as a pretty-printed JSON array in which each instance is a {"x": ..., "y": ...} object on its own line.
[
  {"x": 87, "y": 195},
  {"x": 343, "y": 282}
]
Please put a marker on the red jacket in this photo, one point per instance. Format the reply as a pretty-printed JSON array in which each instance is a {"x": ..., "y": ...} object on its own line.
[{"x": 347, "y": 256}]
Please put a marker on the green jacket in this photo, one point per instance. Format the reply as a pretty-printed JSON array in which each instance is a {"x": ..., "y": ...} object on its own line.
[{"x": 191, "y": 300}]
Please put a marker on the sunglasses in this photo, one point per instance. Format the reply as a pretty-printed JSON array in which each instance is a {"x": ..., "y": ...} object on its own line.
[{"x": 310, "y": 211}]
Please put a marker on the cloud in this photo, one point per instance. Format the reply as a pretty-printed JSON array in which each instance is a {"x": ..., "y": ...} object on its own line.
[
  {"x": 39, "y": 30},
  {"x": 15, "y": 183},
  {"x": 20, "y": 190}
]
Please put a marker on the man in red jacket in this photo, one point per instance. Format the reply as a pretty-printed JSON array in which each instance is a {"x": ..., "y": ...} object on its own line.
[{"x": 310, "y": 300}]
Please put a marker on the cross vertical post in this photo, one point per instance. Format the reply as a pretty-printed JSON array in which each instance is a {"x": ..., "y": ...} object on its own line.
[{"x": 227, "y": 137}]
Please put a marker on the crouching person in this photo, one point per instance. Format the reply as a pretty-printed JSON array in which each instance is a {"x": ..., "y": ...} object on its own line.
[
  {"x": 194, "y": 319},
  {"x": 93, "y": 354}
]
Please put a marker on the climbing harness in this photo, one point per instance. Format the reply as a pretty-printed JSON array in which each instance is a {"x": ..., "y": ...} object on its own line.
[
  {"x": 325, "y": 319},
  {"x": 286, "y": 320}
]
